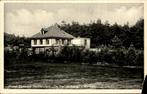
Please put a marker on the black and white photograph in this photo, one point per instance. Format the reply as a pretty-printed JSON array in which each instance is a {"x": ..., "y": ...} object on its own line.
[{"x": 73, "y": 45}]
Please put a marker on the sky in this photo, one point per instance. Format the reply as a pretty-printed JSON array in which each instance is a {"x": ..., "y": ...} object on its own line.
[{"x": 28, "y": 18}]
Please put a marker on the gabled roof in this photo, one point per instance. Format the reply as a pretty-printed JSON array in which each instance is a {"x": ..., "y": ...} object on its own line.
[{"x": 53, "y": 32}]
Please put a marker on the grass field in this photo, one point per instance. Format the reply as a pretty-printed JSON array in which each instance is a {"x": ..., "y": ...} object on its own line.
[{"x": 71, "y": 76}]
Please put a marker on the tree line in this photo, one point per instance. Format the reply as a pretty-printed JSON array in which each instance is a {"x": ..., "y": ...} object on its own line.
[
  {"x": 13, "y": 40},
  {"x": 102, "y": 33},
  {"x": 120, "y": 45},
  {"x": 99, "y": 33}
]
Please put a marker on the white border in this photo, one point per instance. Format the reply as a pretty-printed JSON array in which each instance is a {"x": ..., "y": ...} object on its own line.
[{"x": 66, "y": 90}]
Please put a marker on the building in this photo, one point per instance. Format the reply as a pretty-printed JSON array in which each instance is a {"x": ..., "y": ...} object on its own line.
[
  {"x": 84, "y": 42},
  {"x": 53, "y": 36}
]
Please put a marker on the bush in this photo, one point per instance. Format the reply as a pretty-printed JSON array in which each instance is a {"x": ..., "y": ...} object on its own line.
[
  {"x": 108, "y": 57},
  {"x": 131, "y": 57},
  {"x": 112, "y": 57},
  {"x": 118, "y": 57},
  {"x": 79, "y": 55},
  {"x": 90, "y": 57},
  {"x": 140, "y": 59},
  {"x": 72, "y": 54}
]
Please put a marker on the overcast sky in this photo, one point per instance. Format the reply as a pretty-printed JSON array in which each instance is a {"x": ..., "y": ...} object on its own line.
[{"x": 27, "y": 19}]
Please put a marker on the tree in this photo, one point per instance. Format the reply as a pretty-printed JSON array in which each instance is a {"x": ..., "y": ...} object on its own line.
[
  {"x": 137, "y": 32},
  {"x": 140, "y": 59},
  {"x": 131, "y": 55},
  {"x": 12, "y": 40},
  {"x": 100, "y": 33},
  {"x": 116, "y": 42}
]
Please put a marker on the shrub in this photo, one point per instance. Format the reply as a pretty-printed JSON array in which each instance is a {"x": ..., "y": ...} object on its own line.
[
  {"x": 90, "y": 57},
  {"x": 72, "y": 54},
  {"x": 131, "y": 56},
  {"x": 119, "y": 57},
  {"x": 76, "y": 54},
  {"x": 140, "y": 59},
  {"x": 108, "y": 57}
]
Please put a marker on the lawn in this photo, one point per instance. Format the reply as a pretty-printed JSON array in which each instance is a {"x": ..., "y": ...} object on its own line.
[{"x": 40, "y": 75}]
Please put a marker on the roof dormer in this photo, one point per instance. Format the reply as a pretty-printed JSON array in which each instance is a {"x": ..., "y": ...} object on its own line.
[{"x": 43, "y": 31}]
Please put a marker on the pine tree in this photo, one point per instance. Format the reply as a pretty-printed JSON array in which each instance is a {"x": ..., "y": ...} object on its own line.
[
  {"x": 116, "y": 42},
  {"x": 131, "y": 55}
]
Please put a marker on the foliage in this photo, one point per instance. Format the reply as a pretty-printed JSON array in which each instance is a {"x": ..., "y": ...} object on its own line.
[
  {"x": 121, "y": 45},
  {"x": 74, "y": 54},
  {"x": 102, "y": 34},
  {"x": 99, "y": 33},
  {"x": 140, "y": 59},
  {"x": 131, "y": 55},
  {"x": 12, "y": 40},
  {"x": 116, "y": 42}
]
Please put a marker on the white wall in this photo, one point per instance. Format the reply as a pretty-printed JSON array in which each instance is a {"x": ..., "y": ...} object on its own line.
[
  {"x": 81, "y": 42},
  {"x": 51, "y": 42}
]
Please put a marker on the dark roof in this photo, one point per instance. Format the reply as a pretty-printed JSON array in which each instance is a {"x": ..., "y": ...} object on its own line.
[{"x": 53, "y": 32}]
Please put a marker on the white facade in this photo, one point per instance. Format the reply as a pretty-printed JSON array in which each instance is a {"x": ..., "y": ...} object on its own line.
[
  {"x": 49, "y": 42},
  {"x": 85, "y": 42}
]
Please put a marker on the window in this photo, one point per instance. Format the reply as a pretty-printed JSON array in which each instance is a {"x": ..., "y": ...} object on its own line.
[
  {"x": 69, "y": 42},
  {"x": 62, "y": 41},
  {"x": 35, "y": 42},
  {"x": 41, "y": 42},
  {"x": 47, "y": 41}
]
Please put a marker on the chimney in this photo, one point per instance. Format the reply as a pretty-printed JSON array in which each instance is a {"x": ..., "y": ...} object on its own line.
[{"x": 42, "y": 31}]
